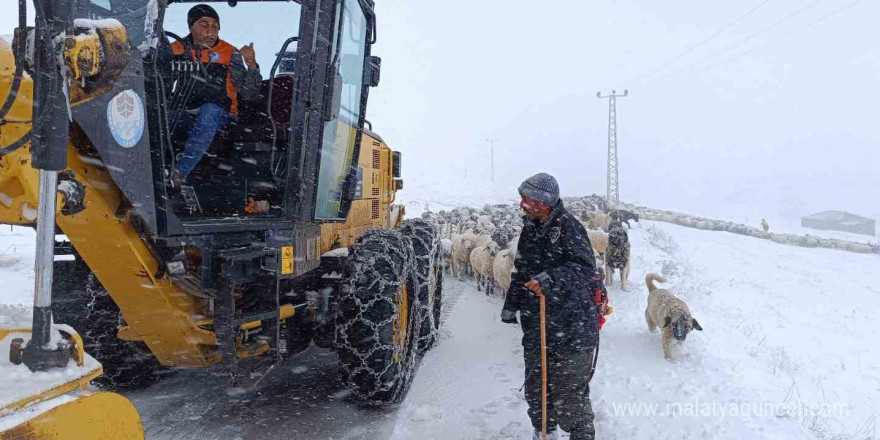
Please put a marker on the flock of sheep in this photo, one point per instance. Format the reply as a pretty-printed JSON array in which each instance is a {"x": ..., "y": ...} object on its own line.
[{"x": 482, "y": 241}]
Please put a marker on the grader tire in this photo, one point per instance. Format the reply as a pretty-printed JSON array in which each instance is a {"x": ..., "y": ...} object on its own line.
[
  {"x": 429, "y": 277},
  {"x": 377, "y": 325},
  {"x": 79, "y": 300}
]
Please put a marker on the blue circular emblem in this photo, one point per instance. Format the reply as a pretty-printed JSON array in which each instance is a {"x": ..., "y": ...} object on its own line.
[{"x": 125, "y": 118}]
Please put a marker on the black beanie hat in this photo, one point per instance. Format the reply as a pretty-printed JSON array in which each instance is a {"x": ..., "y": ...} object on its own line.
[{"x": 199, "y": 11}]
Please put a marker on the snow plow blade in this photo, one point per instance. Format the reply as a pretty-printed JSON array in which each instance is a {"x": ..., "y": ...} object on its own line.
[
  {"x": 101, "y": 415},
  {"x": 59, "y": 404}
]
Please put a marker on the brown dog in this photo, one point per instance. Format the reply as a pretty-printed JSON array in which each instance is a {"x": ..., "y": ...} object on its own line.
[
  {"x": 668, "y": 312},
  {"x": 617, "y": 256}
]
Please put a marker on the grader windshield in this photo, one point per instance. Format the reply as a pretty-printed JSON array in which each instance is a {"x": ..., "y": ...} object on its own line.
[{"x": 340, "y": 133}]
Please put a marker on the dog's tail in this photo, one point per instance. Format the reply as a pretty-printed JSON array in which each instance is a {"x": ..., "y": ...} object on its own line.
[{"x": 650, "y": 278}]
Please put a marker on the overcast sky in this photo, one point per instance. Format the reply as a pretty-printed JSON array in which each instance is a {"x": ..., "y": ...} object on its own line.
[
  {"x": 791, "y": 123},
  {"x": 776, "y": 111}
]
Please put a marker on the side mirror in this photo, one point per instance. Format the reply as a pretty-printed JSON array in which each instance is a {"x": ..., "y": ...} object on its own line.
[{"x": 375, "y": 70}]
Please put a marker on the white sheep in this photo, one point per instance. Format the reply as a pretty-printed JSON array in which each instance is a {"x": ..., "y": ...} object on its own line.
[
  {"x": 599, "y": 241},
  {"x": 484, "y": 220},
  {"x": 481, "y": 240},
  {"x": 502, "y": 269},
  {"x": 462, "y": 244},
  {"x": 446, "y": 250},
  {"x": 598, "y": 220},
  {"x": 513, "y": 244},
  {"x": 481, "y": 259},
  {"x": 486, "y": 228}
]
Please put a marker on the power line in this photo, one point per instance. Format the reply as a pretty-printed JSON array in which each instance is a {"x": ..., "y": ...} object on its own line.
[
  {"x": 746, "y": 39},
  {"x": 698, "y": 45},
  {"x": 773, "y": 41},
  {"x": 784, "y": 36}
]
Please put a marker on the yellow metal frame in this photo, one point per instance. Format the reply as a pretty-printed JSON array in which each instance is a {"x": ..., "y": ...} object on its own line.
[
  {"x": 70, "y": 410},
  {"x": 378, "y": 195},
  {"x": 80, "y": 383},
  {"x": 400, "y": 323},
  {"x": 94, "y": 416},
  {"x": 157, "y": 312}
]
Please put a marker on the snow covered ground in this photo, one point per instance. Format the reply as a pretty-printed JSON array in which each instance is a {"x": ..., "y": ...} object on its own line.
[
  {"x": 785, "y": 225},
  {"x": 16, "y": 276},
  {"x": 787, "y": 331}
]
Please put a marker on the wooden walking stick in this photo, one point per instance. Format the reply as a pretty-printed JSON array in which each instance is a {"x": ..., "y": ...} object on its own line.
[
  {"x": 536, "y": 289},
  {"x": 543, "y": 368}
]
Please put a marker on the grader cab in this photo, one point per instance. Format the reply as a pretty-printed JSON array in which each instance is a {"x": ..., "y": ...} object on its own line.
[{"x": 285, "y": 234}]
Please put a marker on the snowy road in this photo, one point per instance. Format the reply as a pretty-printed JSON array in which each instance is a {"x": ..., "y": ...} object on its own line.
[
  {"x": 303, "y": 401},
  {"x": 467, "y": 387}
]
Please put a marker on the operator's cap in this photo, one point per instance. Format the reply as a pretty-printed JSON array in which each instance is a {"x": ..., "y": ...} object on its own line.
[{"x": 199, "y": 11}]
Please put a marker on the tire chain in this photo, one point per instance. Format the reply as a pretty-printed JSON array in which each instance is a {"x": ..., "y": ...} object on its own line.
[
  {"x": 92, "y": 312},
  {"x": 426, "y": 245},
  {"x": 394, "y": 244}
]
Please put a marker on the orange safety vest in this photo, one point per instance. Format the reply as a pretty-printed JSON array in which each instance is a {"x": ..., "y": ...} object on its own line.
[{"x": 217, "y": 62}]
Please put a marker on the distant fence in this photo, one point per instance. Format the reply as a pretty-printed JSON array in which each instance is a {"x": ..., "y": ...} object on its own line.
[{"x": 808, "y": 241}]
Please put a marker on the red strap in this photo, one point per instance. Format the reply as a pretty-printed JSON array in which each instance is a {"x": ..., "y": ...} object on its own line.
[{"x": 601, "y": 302}]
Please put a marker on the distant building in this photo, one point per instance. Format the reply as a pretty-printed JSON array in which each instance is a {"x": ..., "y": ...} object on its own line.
[{"x": 839, "y": 221}]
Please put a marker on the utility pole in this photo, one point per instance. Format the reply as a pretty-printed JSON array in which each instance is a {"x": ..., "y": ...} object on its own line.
[
  {"x": 492, "y": 158},
  {"x": 613, "y": 187}
]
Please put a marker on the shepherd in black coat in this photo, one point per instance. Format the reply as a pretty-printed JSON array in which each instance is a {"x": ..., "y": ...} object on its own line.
[{"x": 555, "y": 259}]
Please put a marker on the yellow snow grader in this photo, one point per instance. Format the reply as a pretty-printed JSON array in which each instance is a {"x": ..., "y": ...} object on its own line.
[{"x": 284, "y": 235}]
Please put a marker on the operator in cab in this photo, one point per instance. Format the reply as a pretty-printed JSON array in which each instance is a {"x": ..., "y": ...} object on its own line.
[{"x": 213, "y": 101}]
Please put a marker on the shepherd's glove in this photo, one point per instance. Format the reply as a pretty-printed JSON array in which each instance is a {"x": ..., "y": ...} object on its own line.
[
  {"x": 508, "y": 317},
  {"x": 544, "y": 280}
]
